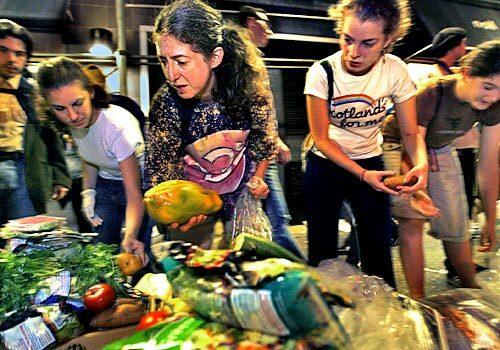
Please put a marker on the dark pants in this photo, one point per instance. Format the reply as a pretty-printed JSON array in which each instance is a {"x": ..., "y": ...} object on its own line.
[
  {"x": 326, "y": 187},
  {"x": 111, "y": 203}
]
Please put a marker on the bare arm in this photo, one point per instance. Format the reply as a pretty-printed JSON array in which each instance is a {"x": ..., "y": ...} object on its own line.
[
  {"x": 414, "y": 143},
  {"x": 284, "y": 154},
  {"x": 89, "y": 175},
  {"x": 317, "y": 116},
  {"x": 261, "y": 168},
  {"x": 488, "y": 172},
  {"x": 135, "y": 207}
]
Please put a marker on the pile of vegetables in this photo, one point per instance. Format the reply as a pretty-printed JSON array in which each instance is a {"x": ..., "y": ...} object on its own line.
[
  {"x": 89, "y": 264},
  {"x": 23, "y": 275},
  {"x": 20, "y": 276}
]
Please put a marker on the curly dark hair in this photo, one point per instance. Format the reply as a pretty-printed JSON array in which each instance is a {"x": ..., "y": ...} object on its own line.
[
  {"x": 394, "y": 13},
  {"x": 242, "y": 75}
]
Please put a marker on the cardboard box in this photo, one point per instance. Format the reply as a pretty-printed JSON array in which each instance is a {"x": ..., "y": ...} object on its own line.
[{"x": 97, "y": 340}]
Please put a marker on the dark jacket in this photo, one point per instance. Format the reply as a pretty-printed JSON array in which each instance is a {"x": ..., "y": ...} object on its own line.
[{"x": 44, "y": 152}]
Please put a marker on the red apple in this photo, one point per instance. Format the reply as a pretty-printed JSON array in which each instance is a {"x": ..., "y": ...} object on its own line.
[{"x": 99, "y": 297}]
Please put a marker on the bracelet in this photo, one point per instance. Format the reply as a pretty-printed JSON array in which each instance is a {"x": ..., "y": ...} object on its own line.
[{"x": 362, "y": 176}]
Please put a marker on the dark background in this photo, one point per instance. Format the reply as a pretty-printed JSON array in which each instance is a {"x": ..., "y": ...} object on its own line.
[{"x": 62, "y": 27}]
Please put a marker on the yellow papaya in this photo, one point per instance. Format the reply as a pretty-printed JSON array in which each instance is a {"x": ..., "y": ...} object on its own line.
[{"x": 179, "y": 200}]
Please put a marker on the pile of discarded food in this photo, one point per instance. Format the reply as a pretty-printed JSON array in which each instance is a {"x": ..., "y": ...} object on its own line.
[{"x": 60, "y": 290}]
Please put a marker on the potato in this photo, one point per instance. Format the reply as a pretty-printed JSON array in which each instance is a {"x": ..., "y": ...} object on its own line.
[
  {"x": 129, "y": 263},
  {"x": 120, "y": 301},
  {"x": 118, "y": 315},
  {"x": 398, "y": 180}
]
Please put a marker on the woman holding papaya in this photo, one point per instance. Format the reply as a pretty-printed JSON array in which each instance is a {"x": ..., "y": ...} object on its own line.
[
  {"x": 111, "y": 146},
  {"x": 346, "y": 159},
  {"x": 212, "y": 122}
]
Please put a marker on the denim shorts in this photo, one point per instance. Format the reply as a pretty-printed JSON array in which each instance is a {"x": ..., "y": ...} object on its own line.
[
  {"x": 445, "y": 187},
  {"x": 447, "y": 190}
]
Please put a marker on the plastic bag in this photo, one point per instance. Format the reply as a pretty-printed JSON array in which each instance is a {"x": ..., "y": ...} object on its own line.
[
  {"x": 381, "y": 319},
  {"x": 471, "y": 321},
  {"x": 39, "y": 327},
  {"x": 289, "y": 305},
  {"x": 249, "y": 217}
]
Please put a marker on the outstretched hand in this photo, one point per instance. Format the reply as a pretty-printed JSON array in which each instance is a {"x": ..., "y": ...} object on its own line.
[
  {"x": 417, "y": 172},
  {"x": 374, "y": 178},
  {"x": 424, "y": 205},
  {"x": 132, "y": 245},
  {"x": 59, "y": 192},
  {"x": 194, "y": 221},
  {"x": 488, "y": 239}
]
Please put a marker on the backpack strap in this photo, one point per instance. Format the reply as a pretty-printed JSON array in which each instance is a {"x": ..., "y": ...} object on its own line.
[
  {"x": 329, "y": 74},
  {"x": 308, "y": 141},
  {"x": 439, "y": 98}
]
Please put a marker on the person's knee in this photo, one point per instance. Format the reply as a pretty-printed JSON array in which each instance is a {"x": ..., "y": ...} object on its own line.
[
  {"x": 457, "y": 245},
  {"x": 410, "y": 228}
]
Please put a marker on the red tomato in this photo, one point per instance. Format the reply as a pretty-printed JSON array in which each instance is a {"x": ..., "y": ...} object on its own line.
[
  {"x": 152, "y": 318},
  {"x": 248, "y": 345},
  {"x": 99, "y": 297}
]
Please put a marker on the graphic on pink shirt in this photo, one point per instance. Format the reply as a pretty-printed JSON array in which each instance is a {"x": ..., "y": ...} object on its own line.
[{"x": 217, "y": 161}]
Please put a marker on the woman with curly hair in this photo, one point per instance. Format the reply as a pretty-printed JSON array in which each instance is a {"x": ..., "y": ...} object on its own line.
[
  {"x": 212, "y": 122},
  {"x": 346, "y": 162}
]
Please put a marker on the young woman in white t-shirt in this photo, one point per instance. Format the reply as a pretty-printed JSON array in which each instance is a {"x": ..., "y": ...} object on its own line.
[
  {"x": 346, "y": 160},
  {"x": 111, "y": 145}
]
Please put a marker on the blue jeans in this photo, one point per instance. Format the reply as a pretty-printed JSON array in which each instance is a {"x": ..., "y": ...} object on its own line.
[
  {"x": 327, "y": 185},
  {"x": 111, "y": 204},
  {"x": 14, "y": 196},
  {"x": 277, "y": 211}
]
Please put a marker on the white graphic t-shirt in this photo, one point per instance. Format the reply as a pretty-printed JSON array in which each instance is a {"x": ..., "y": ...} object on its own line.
[{"x": 360, "y": 103}]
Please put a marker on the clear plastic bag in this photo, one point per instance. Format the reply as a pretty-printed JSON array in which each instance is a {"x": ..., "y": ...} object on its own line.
[{"x": 249, "y": 217}]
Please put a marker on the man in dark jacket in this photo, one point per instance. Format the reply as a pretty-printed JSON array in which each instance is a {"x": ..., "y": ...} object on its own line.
[
  {"x": 29, "y": 162},
  {"x": 257, "y": 22}
]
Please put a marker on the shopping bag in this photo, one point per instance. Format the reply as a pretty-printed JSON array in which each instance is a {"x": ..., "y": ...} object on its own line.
[{"x": 249, "y": 217}]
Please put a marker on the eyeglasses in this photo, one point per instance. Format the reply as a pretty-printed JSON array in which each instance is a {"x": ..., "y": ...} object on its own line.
[{"x": 18, "y": 53}]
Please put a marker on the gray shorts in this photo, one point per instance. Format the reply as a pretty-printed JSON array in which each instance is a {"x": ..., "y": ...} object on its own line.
[{"x": 445, "y": 187}]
